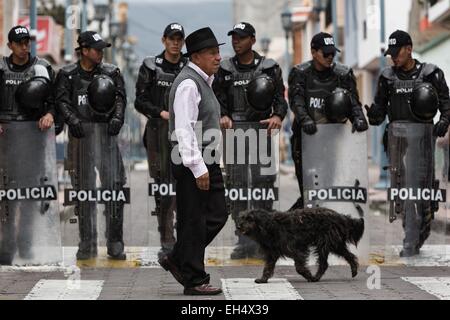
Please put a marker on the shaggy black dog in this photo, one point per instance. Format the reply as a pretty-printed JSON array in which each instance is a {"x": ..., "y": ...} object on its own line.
[{"x": 292, "y": 234}]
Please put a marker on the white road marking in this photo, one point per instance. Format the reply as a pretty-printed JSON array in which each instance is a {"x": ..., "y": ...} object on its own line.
[
  {"x": 247, "y": 289},
  {"x": 437, "y": 286},
  {"x": 70, "y": 289},
  {"x": 147, "y": 257}
]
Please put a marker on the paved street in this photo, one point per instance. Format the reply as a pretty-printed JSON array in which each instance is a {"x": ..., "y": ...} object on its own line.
[{"x": 140, "y": 277}]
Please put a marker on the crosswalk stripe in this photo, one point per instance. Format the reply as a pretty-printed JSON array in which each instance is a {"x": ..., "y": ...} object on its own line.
[
  {"x": 437, "y": 286},
  {"x": 70, "y": 289},
  {"x": 247, "y": 289}
]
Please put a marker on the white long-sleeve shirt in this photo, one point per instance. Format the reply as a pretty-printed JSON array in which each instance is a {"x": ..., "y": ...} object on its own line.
[{"x": 185, "y": 106}]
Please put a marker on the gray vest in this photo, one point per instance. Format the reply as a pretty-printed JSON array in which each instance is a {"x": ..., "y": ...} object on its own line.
[
  {"x": 208, "y": 109},
  {"x": 240, "y": 80},
  {"x": 160, "y": 91},
  {"x": 9, "y": 109},
  {"x": 400, "y": 92}
]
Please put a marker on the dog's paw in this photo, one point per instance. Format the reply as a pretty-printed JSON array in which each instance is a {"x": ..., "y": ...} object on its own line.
[
  {"x": 354, "y": 273},
  {"x": 261, "y": 280},
  {"x": 313, "y": 279}
]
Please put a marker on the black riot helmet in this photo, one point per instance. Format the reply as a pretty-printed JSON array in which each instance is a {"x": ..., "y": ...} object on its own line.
[
  {"x": 424, "y": 102},
  {"x": 338, "y": 106},
  {"x": 31, "y": 94},
  {"x": 260, "y": 93},
  {"x": 102, "y": 94}
]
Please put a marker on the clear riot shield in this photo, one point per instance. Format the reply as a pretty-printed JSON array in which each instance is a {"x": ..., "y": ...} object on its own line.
[
  {"x": 29, "y": 215},
  {"x": 161, "y": 189},
  {"x": 416, "y": 212},
  {"x": 335, "y": 175},
  {"x": 96, "y": 220},
  {"x": 250, "y": 162}
]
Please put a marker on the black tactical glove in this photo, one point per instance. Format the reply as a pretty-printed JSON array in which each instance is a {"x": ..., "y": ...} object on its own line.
[
  {"x": 309, "y": 126},
  {"x": 75, "y": 127},
  {"x": 375, "y": 115},
  {"x": 359, "y": 121},
  {"x": 114, "y": 126},
  {"x": 440, "y": 128}
]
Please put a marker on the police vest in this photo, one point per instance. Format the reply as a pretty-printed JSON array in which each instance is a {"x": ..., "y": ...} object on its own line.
[
  {"x": 400, "y": 92},
  {"x": 9, "y": 108},
  {"x": 239, "y": 81},
  {"x": 79, "y": 91},
  {"x": 159, "y": 92},
  {"x": 317, "y": 90}
]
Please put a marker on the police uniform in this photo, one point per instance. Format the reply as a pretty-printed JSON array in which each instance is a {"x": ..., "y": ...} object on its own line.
[
  {"x": 18, "y": 105},
  {"x": 72, "y": 101},
  {"x": 155, "y": 79},
  {"x": 230, "y": 87},
  {"x": 308, "y": 91}
]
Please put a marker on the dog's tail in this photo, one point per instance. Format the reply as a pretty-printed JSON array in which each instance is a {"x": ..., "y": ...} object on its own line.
[{"x": 357, "y": 230}]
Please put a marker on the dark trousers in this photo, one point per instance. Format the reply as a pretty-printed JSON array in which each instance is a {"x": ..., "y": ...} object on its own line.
[
  {"x": 200, "y": 217},
  {"x": 98, "y": 151}
]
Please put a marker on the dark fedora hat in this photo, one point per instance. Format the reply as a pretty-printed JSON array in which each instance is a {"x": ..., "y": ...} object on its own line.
[{"x": 201, "y": 39}]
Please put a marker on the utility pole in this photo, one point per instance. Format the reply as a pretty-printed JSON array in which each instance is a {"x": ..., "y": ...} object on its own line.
[
  {"x": 381, "y": 155},
  {"x": 33, "y": 27}
]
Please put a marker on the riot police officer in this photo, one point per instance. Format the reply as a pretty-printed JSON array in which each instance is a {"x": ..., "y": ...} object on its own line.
[
  {"x": 26, "y": 91},
  {"x": 91, "y": 96},
  {"x": 155, "y": 79},
  {"x": 250, "y": 90},
  {"x": 321, "y": 91},
  {"x": 411, "y": 92}
]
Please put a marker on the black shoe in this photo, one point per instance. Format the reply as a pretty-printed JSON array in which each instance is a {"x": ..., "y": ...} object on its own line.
[
  {"x": 202, "y": 290},
  {"x": 409, "y": 252},
  {"x": 6, "y": 259},
  {"x": 116, "y": 250},
  {"x": 119, "y": 256},
  {"x": 170, "y": 266},
  {"x": 83, "y": 254}
]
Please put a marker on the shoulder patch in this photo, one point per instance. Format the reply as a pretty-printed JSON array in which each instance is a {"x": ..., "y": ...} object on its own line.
[
  {"x": 303, "y": 66},
  {"x": 109, "y": 68},
  {"x": 388, "y": 73},
  {"x": 341, "y": 69},
  {"x": 43, "y": 62},
  {"x": 69, "y": 68},
  {"x": 150, "y": 63},
  {"x": 429, "y": 68},
  {"x": 3, "y": 65},
  {"x": 268, "y": 63}
]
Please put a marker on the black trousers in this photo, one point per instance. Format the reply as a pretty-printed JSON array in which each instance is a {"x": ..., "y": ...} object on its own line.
[{"x": 200, "y": 217}]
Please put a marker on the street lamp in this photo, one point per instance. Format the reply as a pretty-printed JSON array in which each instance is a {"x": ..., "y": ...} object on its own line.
[
  {"x": 114, "y": 32},
  {"x": 286, "y": 21},
  {"x": 101, "y": 11},
  {"x": 265, "y": 43},
  {"x": 318, "y": 7}
]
